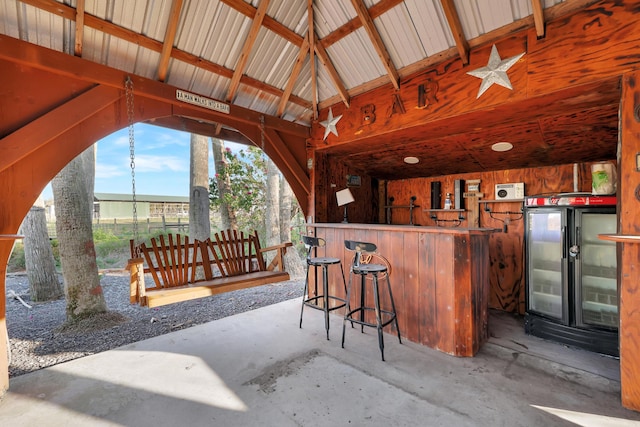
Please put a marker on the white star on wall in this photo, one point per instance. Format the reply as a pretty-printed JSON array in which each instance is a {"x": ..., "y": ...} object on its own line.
[
  {"x": 495, "y": 71},
  {"x": 330, "y": 124}
]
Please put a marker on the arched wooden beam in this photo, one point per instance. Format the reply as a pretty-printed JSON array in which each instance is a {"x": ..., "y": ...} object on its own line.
[{"x": 73, "y": 104}]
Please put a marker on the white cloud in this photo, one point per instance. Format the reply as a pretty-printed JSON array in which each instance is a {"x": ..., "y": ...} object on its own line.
[
  {"x": 150, "y": 163},
  {"x": 108, "y": 171}
]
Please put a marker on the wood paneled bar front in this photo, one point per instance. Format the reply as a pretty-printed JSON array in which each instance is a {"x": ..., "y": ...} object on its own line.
[{"x": 439, "y": 278}]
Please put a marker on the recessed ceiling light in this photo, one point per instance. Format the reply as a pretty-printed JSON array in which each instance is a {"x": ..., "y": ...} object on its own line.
[
  {"x": 411, "y": 160},
  {"x": 502, "y": 146}
]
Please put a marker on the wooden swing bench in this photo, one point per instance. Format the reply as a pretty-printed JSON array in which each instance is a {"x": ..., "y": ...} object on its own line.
[{"x": 184, "y": 270}]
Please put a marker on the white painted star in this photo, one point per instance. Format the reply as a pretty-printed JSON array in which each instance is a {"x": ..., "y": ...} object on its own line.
[
  {"x": 330, "y": 124},
  {"x": 495, "y": 71}
]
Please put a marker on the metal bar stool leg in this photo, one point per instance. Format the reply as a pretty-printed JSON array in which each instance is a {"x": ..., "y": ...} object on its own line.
[
  {"x": 304, "y": 294},
  {"x": 347, "y": 310},
  {"x": 393, "y": 307},
  {"x": 363, "y": 292},
  {"x": 325, "y": 290},
  {"x": 376, "y": 304}
]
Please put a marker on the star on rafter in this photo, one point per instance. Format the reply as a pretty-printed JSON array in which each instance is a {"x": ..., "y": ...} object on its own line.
[
  {"x": 330, "y": 124},
  {"x": 495, "y": 71}
]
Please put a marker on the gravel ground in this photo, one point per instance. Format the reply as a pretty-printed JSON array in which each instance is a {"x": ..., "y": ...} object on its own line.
[{"x": 38, "y": 339}]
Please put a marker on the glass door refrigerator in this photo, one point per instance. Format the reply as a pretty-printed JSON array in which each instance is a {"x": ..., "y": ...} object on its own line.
[{"x": 571, "y": 275}]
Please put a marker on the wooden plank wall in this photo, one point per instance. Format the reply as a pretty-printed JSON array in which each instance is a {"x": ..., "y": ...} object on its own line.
[
  {"x": 440, "y": 295},
  {"x": 331, "y": 177},
  {"x": 506, "y": 249}
]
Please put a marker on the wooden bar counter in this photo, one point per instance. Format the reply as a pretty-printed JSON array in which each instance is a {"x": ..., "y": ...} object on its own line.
[{"x": 439, "y": 278}]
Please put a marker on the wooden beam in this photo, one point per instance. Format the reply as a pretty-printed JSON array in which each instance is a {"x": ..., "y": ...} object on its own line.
[
  {"x": 312, "y": 58},
  {"x": 298, "y": 179},
  {"x": 246, "y": 50},
  {"x": 268, "y": 22},
  {"x": 538, "y": 17},
  {"x": 376, "y": 10},
  {"x": 453, "y": 19},
  {"x": 333, "y": 73},
  {"x": 295, "y": 72},
  {"x": 378, "y": 44},
  {"x": 39, "y": 132},
  {"x": 199, "y": 126},
  {"x": 77, "y": 50},
  {"x": 28, "y": 54},
  {"x": 169, "y": 38}
]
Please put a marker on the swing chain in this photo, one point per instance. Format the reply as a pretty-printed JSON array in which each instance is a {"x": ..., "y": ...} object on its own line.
[
  {"x": 130, "y": 116},
  {"x": 262, "y": 133}
]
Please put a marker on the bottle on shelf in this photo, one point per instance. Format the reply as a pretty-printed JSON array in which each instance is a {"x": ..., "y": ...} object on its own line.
[{"x": 447, "y": 201}]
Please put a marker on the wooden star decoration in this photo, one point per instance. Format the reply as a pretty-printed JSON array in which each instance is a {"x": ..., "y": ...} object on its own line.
[
  {"x": 495, "y": 71},
  {"x": 330, "y": 124}
]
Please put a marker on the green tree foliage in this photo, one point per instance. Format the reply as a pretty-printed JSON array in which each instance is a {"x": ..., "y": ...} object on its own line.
[{"x": 246, "y": 170}]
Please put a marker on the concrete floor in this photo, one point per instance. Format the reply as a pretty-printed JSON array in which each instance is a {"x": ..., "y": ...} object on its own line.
[{"x": 258, "y": 368}]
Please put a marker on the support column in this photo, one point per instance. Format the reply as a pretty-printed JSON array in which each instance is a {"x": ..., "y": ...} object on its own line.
[{"x": 629, "y": 270}]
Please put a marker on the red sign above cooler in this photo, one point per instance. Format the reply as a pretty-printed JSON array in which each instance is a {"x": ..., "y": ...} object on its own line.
[{"x": 571, "y": 200}]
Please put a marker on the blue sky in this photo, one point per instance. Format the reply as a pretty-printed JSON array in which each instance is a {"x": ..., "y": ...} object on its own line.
[{"x": 161, "y": 159}]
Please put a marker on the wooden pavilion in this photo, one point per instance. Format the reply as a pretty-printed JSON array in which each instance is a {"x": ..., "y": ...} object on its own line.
[{"x": 339, "y": 94}]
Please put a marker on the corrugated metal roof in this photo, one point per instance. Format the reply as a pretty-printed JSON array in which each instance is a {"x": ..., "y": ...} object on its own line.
[{"x": 215, "y": 32}]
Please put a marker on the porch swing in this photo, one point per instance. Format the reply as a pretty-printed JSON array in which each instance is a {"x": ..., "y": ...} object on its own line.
[{"x": 231, "y": 261}]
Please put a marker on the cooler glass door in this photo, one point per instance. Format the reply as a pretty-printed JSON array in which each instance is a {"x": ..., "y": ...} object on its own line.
[
  {"x": 596, "y": 268},
  {"x": 547, "y": 262}
]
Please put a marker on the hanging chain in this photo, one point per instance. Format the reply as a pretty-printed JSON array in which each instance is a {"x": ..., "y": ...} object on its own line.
[
  {"x": 264, "y": 154},
  {"x": 128, "y": 85},
  {"x": 262, "y": 133}
]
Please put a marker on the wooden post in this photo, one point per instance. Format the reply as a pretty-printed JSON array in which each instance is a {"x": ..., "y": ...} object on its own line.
[
  {"x": 136, "y": 279},
  {"x": 629, "y": 271}
]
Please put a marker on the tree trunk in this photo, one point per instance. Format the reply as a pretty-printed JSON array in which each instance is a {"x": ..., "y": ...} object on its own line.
[
  {"x": 73, "y": 199},
  {"x": 38, "y": 257},
  {"x": 199, "y": 224},
  {"x": 227, "y": 215},
  {"x": 292, "y": 261},
  {"x": 272, "y": 222}
]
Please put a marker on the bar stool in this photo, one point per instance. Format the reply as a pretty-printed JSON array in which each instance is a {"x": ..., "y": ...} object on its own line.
[
  {"x": 311, "y": 243},
  {"x": 364, "y": 269}
]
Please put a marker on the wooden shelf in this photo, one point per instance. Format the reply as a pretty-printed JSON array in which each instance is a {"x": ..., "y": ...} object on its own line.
[
  {"x": 628, "y": 238},
  {"x": 401, "y": 206},
  {"x": 444, "y": 210}
]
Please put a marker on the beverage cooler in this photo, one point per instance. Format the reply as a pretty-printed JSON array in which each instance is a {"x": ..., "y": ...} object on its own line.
[{"x": 571, "y": 275}]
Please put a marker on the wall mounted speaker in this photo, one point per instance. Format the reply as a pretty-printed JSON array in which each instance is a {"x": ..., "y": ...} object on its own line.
[
  {"x": 436, "y": 195},
  {"x": 458, "y": 194}
]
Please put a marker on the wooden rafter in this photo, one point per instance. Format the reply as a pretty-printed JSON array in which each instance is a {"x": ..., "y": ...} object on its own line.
[
  {"x": 333, "y": 73},
  {"x": 295, "y": 72},
  {"x": 378, "y": 44},
  {"x": 376, "y": 10},
  {"x": 37, "y": 133},
  {"x": 169, "y": 38},
  {"x": 312, "y": 57},
  {"x": 21, "y": 52},
  {"x": 77, "y": 50},
  {"x": 453, "y": 19},
  {"x": 538, "y": 17},
  {"x": 268, "y": 22},
  {"x": 246, "y": 50}
]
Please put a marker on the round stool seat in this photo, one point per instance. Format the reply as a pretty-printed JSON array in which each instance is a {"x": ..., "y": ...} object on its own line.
[
  {"x": 369, "y": 268},
  {"x": 323, "y": 261}
]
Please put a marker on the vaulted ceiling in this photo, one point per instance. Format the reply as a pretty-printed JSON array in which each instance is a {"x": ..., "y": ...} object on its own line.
[{"x": 290, "y": 58}]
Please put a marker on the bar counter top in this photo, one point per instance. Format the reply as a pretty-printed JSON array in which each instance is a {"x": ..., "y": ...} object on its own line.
[{"x": 404, "y": 228}]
